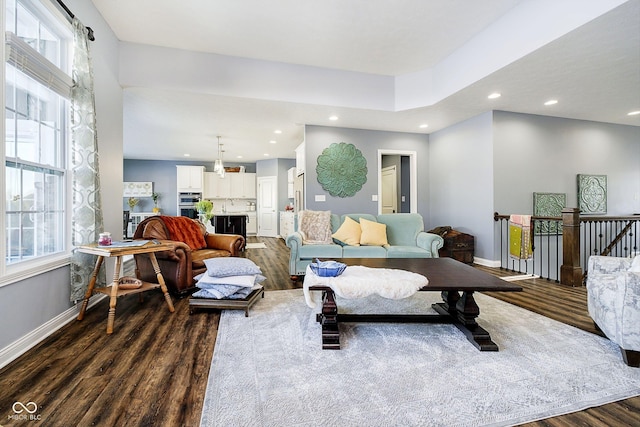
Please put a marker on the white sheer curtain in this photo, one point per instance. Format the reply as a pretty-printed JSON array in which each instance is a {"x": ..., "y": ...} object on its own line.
[{"x": 86, "y": 223}]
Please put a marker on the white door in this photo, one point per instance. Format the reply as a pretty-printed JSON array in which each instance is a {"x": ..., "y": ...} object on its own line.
[
  {"x": 389, "y": 190},
  {"x": 268, "y": 206}
]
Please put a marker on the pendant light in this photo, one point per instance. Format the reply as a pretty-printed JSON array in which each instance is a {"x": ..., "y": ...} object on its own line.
[
  {"x": 221, "y": 171},
  {"x": 218, "y": 166}
]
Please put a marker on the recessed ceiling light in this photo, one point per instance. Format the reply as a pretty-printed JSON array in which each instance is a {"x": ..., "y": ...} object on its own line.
[
  {"x": 633, "y": 113},
  {"x": 266, "y": 154},
  {"x": 187, "y": 155},
  {"x": 333, "y": 118},
  {"x": 551, "y": 102},
  {"x": 424, "y": 126},
  {"x": 273, "y": 141},
  {"x": 278, "y": 131},
  {"x": 494, "y": 95},
  {"x": 239, "y": 157}
]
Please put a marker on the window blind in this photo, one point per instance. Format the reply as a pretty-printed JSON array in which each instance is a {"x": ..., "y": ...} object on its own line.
[{"x": 29, "y": 61}]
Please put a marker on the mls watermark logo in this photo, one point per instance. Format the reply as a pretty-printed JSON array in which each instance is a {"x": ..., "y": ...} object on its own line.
[{"x": 24, "y": 411}]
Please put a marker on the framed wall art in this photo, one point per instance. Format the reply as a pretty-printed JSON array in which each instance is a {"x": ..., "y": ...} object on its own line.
[
  {"x": 592, "y": 194},
  {"x": 548, "y": 204},
  {"x": 137, "y": 189}
]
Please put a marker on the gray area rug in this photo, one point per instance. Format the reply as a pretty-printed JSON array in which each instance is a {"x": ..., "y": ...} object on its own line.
[{"x": 268, "y": 369}]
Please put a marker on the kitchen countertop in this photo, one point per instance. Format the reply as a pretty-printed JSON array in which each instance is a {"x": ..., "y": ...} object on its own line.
[{"x": 240, "y": 213}]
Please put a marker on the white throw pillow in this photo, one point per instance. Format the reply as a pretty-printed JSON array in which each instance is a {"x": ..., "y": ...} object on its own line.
[
  {"x": 635, "y": 265},
  {"x": 315, "y": 227}
]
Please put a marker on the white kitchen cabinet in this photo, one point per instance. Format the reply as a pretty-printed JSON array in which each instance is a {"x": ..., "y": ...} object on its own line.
[
  {"x": 216, "y": 187},
  {"x": 243, "y": 185},
  {"x": 210, "y": 185},
  {"x": 231, "y": 186},
  {"x": 252, "y": 223},
  {"x": 190, "y": 178},
  {"x": 286, "y": 223},
  {"x": 249, "y": 185}
]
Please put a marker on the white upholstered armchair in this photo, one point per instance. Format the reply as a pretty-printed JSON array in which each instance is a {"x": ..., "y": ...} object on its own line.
[{"x": 613, "y": 298}]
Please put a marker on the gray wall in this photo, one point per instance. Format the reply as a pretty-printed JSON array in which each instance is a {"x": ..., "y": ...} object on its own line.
[
  {"x": 545, "y": 154},
  {"x": 497, "y": 160},
  {"x": 461, "y": 180},
  {"x": 317, "y": 138},
  {"x": 29, "y": 304}
]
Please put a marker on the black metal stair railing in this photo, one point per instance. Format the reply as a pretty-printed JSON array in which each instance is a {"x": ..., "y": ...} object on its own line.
[
  {"x": 609, "y": 236},
  {"x": 546, "y": 233},
  {"x": 598, "y": 235}
]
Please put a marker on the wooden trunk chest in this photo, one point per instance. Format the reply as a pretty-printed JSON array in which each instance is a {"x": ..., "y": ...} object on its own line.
[{"x": 459, "y": 246}]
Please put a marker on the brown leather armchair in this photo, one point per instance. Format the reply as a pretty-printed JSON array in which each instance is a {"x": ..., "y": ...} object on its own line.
[{"x": 180, "y": 265}]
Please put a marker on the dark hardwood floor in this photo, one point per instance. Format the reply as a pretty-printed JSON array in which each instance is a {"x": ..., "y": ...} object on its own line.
[{"x": 153, "y": 370}]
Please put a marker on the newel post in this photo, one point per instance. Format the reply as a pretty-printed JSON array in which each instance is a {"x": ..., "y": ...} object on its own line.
[{"x": 570, "y": 270}]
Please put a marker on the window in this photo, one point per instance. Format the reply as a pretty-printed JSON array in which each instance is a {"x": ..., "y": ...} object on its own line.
[{"x": 35, "y": 158}]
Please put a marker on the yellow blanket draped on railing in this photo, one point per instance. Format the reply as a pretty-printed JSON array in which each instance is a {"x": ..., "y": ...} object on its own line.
[{"x": 520, "y": 237}]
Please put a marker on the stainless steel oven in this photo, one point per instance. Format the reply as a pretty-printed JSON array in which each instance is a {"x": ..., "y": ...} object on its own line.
[
  {"x": 190, "y": 212},
  {"x": 186, "y": 204}
]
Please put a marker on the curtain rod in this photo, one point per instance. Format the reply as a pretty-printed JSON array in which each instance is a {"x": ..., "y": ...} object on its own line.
[{"x": 71, "y": 15}]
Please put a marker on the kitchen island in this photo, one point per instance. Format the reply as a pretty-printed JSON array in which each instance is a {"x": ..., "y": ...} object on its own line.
[{"x": 230, "y": 223}]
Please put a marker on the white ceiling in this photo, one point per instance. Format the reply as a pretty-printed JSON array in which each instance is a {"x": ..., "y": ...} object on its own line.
[{"x": 593, "y": 70}]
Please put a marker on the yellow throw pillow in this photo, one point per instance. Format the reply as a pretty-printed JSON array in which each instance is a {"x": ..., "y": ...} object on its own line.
[
  {"x": 348, "y": 233},
  {"x": 373, "y": 233}
]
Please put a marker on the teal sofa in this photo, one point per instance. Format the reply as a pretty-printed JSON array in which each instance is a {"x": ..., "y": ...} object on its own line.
[{"x": 405, "y": 234}]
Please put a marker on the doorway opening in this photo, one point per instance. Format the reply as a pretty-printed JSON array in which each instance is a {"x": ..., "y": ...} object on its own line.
[{"x": 402, "y": 165}]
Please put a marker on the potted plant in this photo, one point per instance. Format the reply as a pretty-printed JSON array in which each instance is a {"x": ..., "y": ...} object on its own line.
[
  {"x": 132, "y": 202},
  {"x": 155, "y": 196},
  {"x": 205, "y": 210}
]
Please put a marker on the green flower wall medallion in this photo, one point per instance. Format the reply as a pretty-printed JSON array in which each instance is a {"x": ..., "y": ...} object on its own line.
[{"x": 341, "y": 169}]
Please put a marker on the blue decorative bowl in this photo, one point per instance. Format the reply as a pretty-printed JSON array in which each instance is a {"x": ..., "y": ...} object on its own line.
[{"x": 327, "y": 268}]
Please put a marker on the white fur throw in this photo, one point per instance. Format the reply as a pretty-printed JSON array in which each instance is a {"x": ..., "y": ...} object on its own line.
[
  {"x": 358, "y": 282},
  {"x": 315, "y": 227}
]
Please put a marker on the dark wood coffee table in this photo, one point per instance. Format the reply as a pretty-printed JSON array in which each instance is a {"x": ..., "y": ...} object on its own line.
[{"x": 446, "y": 275}]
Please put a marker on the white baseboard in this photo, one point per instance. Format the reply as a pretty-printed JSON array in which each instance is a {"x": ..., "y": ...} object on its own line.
[
  {"x": 486, "y": 262},
  {"x": 33, "y": 338}
]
